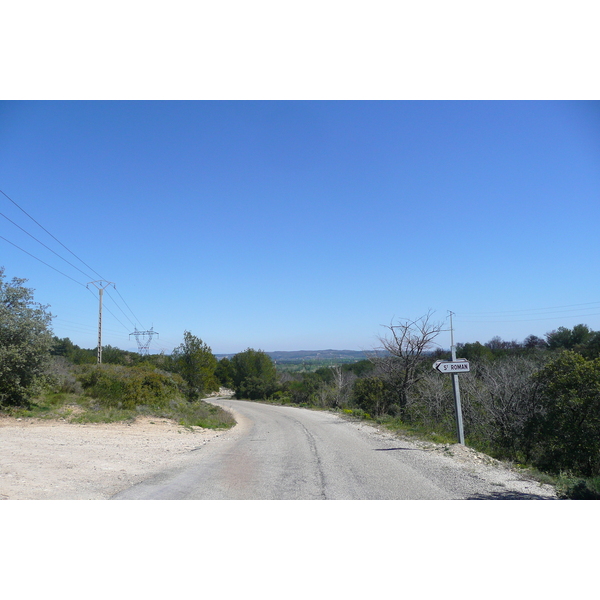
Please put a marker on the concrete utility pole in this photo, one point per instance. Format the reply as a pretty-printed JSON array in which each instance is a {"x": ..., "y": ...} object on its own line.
[
  {"x": 459, "y": 421},
  {"x": 101, "y": 286}
]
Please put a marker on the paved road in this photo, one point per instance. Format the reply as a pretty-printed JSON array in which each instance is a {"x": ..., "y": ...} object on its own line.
[{"x": 288, "y": 453}]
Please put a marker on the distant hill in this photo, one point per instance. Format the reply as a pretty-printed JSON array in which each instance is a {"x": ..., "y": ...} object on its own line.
[
  {"x": 299, "y": 356},
  {"x": 318, "y": 355}
]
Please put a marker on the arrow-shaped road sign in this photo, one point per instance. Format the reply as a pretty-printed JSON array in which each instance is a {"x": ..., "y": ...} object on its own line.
[{"x": 452, "y": 366}]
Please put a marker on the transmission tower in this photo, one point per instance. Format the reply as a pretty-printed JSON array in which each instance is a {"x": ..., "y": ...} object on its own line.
[
  {"x": 143, "y": 339},
  {"x": 101, "y": 285}
]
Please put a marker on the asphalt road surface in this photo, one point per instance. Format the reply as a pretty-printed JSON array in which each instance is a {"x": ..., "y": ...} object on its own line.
[{"x": 288, "y": 453}]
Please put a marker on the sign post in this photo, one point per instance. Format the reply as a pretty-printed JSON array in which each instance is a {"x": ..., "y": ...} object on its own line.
[
  {"x": 458, "y": 365},
  {"x": 454, "y": 366}
]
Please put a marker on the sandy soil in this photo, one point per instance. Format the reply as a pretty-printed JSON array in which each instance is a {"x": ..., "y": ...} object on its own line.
[{"x": 53, "y": 460}]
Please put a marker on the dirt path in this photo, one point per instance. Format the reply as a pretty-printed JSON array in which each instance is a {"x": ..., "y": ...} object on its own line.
[{"x": 53, "y": 460}]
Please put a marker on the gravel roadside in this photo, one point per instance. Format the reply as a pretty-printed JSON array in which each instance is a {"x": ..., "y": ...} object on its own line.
[
  {"x": 54, "y": 460},
  {"x": 492, "y": 479}
]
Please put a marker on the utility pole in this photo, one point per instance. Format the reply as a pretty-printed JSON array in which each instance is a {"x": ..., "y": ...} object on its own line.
[
  {"x": 143, "y": 339},
  {"x": 101, "y": 286},
  {"x": 457, "y": 406}
]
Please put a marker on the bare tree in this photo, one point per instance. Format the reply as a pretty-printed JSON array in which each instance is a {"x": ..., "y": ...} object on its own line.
[
  {"x": 501, "y": 394},
  {"x": 405, "y": 345},
  {"x": 431, "y": 401},
  {"x": 341, "y": 386}
]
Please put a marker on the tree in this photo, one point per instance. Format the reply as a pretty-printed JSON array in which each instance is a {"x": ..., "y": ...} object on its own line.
[
  {"x": 341, "y": 386},
  {"x": 592, "y": 347},
  {"x": 369, "y": 394},
  {"x": 500, "y": 347},
  {"x": 499, "y": 399},
  {"x": 568, "y": 339},
  {"x": 62, "y": 347},
  {"x": 475, "y": 351},
  {"x": 496, "y": 343},
  {"x": 309, "y": 388},
  {"x": 360, "y": 368},
  {"x": 25, "y": 342},
  {"x": 328, "y": 386},
  {"x": 254, "y": 374},
  {"x": 116, "y": 356},
  {"x": 196, "y": 364},
  {"x": 531, "y": 342},
  {"x": 566, "y": 432},
  {"x": 405, "y": 346},
  {"x": 580, "y": 335},
  {"x": 223, "y": 372}
]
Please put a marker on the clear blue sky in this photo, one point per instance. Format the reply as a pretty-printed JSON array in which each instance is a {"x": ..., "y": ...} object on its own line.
[{"x": 304, "y": 224}]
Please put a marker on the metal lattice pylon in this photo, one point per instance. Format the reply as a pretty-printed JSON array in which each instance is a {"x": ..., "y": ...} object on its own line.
[{"x": 143, "y": 339}]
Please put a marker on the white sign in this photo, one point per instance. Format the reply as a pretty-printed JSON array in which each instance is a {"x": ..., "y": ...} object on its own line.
[{"x": 452, "y": 366}]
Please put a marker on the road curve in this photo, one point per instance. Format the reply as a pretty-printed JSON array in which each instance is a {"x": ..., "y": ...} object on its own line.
[{"x": 289, "y": 453}]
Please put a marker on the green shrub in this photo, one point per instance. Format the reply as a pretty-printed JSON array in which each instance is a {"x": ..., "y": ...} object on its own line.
[
  {"x": 61, "y": 378},
  {"x": 25, "y": 343},
  {"x": 280, "y": 397},
  {"x": 580, "y": 489},
  {"x": 253, "y": 374},
  {"x": 120, "y": 387},
  {"x": 199, "y": 414},
  {"x": 565, "y": 434},
  {"x": 194, "y": 361},
  {"x": 369, "y": 394}
]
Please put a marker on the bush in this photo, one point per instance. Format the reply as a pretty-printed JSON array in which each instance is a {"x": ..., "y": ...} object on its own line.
[
  {"x": 565, "y": 434},
  {"x": 25, "y": 343},
  {"x": 431, "y": 403},
  {"x": 196, "y": 364},
  {"x": 499, "y": 400},
  {"x": 253, "y": 374},
  {"x": 369, "y": 394},
  {"x": 304, "y": 388},
  {"x": 128, "y": 387},
  {"x": 61, "y": 378},
  {"x": 199, "y": 414},
  {"x": 580, "y": 489}
]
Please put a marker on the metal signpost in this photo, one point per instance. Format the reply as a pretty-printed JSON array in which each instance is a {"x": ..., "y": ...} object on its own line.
[{"x": 454, "y": 367}]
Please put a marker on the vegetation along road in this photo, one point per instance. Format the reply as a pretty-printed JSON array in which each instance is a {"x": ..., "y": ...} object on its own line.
[{"x": 289, "y": 453}]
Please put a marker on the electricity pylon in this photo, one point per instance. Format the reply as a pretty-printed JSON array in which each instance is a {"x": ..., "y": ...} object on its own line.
[
  {"x": 101, "y": 285},
  {"x": 143, "y": 339}
]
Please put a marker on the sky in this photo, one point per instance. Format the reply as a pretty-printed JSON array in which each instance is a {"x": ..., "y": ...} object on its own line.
[{"x": 289, "y": 225}]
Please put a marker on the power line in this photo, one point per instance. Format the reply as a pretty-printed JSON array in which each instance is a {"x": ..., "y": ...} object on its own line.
[
  {"x": 531, "y": 310},
  {"x": 124, "y": 314},
  {"x": 45, "y": 263},
  {"x": 127, "y": 305},
  {"x": 65, "y": 275},
  {"x": 62, "y": 258},
  {"x": 42, "y": 243},
  {"x": 523, "y": 320},
  {"x": 68, "y": 276},
  {"x": 80, "y": 327},
  {"x": 38, "y": 224},
  {"x": 108, "y": 309},
  {"x": 113, "y": 314},
  {"x": 565, "y": 311}
]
